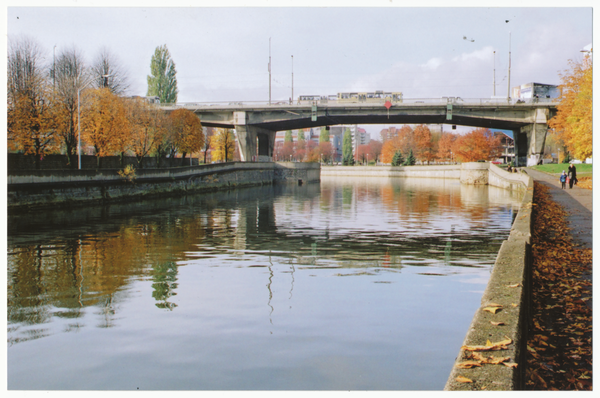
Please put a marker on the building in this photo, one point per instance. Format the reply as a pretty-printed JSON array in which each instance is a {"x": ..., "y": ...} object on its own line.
[
  {"x": 508, "y": 145},
  {"x": 535, "y": 90}
]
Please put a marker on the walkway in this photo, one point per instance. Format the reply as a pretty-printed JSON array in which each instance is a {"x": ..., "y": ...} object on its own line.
[{"x": 577, "y": 202}]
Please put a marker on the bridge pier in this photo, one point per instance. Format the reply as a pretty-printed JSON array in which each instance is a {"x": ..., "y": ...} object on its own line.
[
  {"x": 255, "y": 143},
  {"x": 535, "y": 134}
]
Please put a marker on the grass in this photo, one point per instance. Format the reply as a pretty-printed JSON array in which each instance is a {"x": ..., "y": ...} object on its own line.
[{"x": 583, "y": 170}]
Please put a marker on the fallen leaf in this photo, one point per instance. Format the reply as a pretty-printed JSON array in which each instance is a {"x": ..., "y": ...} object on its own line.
[
  {"x": 468, "y": 364},
  {"x": 463, "y": 379},
  {"x": 515, "y": 285},
  {"x": 497, "y": 323},
  {"x": 510, "y": 364},
  {"x": 493, "y": 310}
]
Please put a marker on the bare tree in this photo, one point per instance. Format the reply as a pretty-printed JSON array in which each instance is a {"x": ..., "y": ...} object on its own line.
[
  {"x": 25, "y": 69},
  {"x": 107, "y": 72},
  {"x": 71, "y": 75}
]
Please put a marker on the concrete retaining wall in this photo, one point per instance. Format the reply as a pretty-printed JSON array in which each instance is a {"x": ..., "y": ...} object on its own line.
[
  {"x": 509, "y": 286},
  {"x": 443, "y": 171},
  {"x": 50, "y": 188}
]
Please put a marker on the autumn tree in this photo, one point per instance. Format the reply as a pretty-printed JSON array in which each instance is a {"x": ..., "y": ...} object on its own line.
[
  {"x": 185, "y": 131},
  {"x": 207, "y": 139},
  {"x": 70, "y": 76},
  {"x": 222, "y": 145},
  {"x": 444, "y": 151},
  {"x": 347, "y": 153},
  {"x": 362, "y": 153},
  {"x": 389, "y": 149},
  {"x": 108, "y": 73},
  {"x": 375, "y": 150},
  {"x": 105, "y": 124},
  {"x": 30, "y": 122},
  {"x": 573, "y": 121},
  {"x": 423, "y": 144},
  {"x": 478, "y": 144},
  {"x": 148, "y": 127},
  {"x": 163, "y": 81}
]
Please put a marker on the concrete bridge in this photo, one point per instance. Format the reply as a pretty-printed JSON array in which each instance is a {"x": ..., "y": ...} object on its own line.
[{"x": 257, "y": 123}]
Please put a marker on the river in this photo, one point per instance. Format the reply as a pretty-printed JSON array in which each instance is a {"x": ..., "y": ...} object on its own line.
[{"x": 347, "y": 284}]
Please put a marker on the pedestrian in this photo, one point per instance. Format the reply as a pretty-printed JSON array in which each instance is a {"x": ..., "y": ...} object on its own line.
[
  {"x": 563, "y": 179},
  {"x": 572, "y": 174}
]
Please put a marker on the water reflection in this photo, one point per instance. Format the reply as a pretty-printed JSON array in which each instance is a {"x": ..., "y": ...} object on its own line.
[{"x": 260, "y": 245}]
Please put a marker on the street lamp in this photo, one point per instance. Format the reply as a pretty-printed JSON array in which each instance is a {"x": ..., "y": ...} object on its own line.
[{"x": 79, "y": 120}]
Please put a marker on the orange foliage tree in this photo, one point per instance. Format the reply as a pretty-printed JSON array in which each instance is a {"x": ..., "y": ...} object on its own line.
[
  {"x": 573, "y": 121},
  {"x": 389, "y": 148},
  {"x": 186, "y": 132},
  {"x": 30, "y": 119},
  {"x": 105, "y": 124},
  {"x": 444, "y": 151},
  {"x": 148, "y": 127},
  {"x": 479, "y": 144},
  {"x": 223, "y": 145},
  {"x": 423, "y": 144}
]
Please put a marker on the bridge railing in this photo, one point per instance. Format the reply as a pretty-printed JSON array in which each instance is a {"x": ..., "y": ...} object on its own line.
[{"x": 404, "y": 101}]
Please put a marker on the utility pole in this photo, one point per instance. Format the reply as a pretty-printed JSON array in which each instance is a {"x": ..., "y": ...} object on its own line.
[
  {"x": 494, "y": 73},
  {"x": 269, "y": 71},
  {"x": 508, "y": 97},
  {"x": 54, "y": 68}
]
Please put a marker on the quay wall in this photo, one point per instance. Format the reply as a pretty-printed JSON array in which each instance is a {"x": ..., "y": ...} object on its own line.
[{"x": 31, "y": 189}]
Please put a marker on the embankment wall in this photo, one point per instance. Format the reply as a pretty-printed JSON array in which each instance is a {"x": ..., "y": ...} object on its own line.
[{"x": 30, "y": 189}]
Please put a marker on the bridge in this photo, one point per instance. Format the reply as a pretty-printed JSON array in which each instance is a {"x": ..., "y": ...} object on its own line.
[{"x": 256, "y": 124}]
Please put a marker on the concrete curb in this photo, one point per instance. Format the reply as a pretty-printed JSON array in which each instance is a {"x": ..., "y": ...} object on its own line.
[{"x": 508, "y": 287}]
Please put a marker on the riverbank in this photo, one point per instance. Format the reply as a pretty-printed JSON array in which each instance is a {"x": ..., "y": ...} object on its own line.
[{"x": 33, "y": 189}]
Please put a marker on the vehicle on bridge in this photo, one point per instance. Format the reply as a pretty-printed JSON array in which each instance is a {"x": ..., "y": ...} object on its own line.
[
  {"x": 356, "y": 97},
  {"x": 376, "y": 97}
]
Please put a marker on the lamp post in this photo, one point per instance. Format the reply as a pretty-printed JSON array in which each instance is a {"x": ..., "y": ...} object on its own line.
[
  {"x": 79, "y": 121},
  {"x": 292, "y": 78}
]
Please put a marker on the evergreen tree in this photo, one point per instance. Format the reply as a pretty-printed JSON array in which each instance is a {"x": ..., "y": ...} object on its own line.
[
  {"x": 410, "y": 159},
  {"x": 301, "y": 135},
  {"x": 324, "y": 135},
  {"x": 163, "y": 82},
  {"x": 347, "y": 155},
  {"x": 288, "y": 136},
  {"x": 397, "y": 160}
]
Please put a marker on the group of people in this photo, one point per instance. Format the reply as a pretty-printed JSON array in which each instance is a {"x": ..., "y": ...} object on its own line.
[{"x": 570, "y": 177}]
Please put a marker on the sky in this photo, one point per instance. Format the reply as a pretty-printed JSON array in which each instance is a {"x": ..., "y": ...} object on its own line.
[{"x": 222, "y": 53}]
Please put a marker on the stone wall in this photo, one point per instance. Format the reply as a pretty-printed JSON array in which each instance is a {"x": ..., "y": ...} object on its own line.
[{"x": 28, "y": 189}]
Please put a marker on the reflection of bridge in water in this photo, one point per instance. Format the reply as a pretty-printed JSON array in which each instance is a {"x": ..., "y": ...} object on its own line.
[{"x": 256, "y": 123}]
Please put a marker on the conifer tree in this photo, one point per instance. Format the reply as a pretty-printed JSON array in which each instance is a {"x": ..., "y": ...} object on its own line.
[
  {"x": 410, "y": 159},
  {"x": 347, "y": 155},
  {"x": 398, "y": 159}
]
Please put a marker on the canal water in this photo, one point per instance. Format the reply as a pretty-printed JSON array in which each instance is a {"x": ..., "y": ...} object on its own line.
[{"x": 350, "y": 284}]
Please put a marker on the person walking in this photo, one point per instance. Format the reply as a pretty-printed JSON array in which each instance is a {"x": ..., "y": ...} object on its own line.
[
  {"x": 572, "y": 174},
  {"x": 563, "y": 179}
]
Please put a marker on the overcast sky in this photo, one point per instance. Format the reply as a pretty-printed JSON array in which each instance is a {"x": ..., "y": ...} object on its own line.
[{"x": 222, "y": 54}]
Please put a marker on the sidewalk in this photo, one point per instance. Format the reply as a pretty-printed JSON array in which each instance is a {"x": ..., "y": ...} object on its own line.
[{"x": 577, "y": 202}]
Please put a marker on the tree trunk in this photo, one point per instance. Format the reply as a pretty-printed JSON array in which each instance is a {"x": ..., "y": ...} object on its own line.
[{"x": 183, "y": 158}]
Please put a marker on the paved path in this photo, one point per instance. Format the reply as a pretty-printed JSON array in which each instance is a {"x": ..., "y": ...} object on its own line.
[{"x": 577, "y": 202}]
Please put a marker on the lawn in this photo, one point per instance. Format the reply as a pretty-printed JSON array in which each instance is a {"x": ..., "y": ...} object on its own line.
[{"x": 583, "y": 170}]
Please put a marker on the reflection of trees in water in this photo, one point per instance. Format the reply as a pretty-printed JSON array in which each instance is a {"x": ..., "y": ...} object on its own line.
[{"x": 164, "y": 276}]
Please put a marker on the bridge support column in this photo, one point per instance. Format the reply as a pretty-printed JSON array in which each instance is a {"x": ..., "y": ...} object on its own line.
[
  {"x": 536, "y": 137},
  {"x": 255, "y": 143}
]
